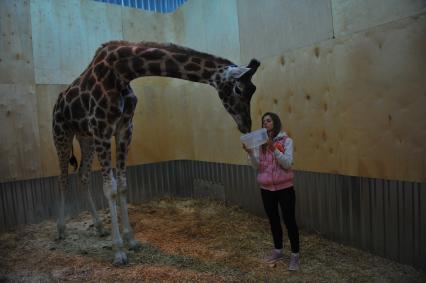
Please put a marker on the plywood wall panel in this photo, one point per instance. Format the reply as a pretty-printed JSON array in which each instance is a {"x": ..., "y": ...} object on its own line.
[
  {"x": 220, "y": 28},
  {"x": 190, "y": 26},
  {"x": 384, "y": 78},
  {"x": 66, "y": 35},
  {"x": 46, "y": 98},
  {"x": 140, "y": 25},
  {"x": 268, "y": 28},
  {"x": 215, "y": 133},
  {"x": 299, "y": 86},
  {"x": 209, "y": 26},
  {"x": 19, "y": 135},
  {"x": 354, "y": 105},
  {"x": 353, "y": 16},
  {"x": 162, "y": 121},
  {"x": 16, "y": 56}
]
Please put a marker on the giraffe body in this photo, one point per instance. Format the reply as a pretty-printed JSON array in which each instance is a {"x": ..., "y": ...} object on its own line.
[{"x": 100, "y": 104}]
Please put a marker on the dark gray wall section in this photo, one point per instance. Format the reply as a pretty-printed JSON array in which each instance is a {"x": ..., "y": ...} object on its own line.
[{"x": 384, "y": 217}]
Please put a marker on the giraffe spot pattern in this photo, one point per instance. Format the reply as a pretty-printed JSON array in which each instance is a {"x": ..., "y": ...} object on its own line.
[
  {"x": 124, "y": 52},
  {"x": 181, "y": 58},
  {"x": 171, "y": 66},
  {"x": 71, "y": 95},
  {"x": 122, "y": 66},
  {"x": 100, "y": 113},
  {"x": 85, "y": 100},
  {"x": 100, "y": 71},
  {"x": 196, "y": 60},
  {"x": 67, "y": 113},
  {"x": 101, "y": 56},
  {"x": 111, "y": 59},
  {"x": 109, "y": 81},
  {"x": 193, "y": 77},
  {"x": 103, "y": 102},
  {"x": 192, "y": 67},
  {"x": 138, "y": 66},
  {"x": 209, "y": 64},
  {"x": 207, "y": 74},
  {"x": 154, "y": 54},
  {"x": 84, "y": 126},
  {"x": 87, "y": 83},
  {"x": 97, "y": 92},
  {"x": 130, "y": 104},
  {"x": 154, "y": 68},
  {"x": 59, "y": 118},
  {"x": 101, "y": 126},
  {"x": 77, "y": 110}
]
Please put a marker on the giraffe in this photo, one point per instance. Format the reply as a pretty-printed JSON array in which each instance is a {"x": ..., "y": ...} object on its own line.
[{"x": 99, "y": 105}]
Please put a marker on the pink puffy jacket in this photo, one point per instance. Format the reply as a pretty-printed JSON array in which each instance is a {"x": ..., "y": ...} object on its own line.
[{"x": 271, "y": 174}]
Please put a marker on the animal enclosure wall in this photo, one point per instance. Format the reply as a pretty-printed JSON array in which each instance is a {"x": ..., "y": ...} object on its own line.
[
  {"x": 349, "y": 82},
  {"x": 381, "y": 216},
  {"x": 345, "y": 88},
  {"x": 347, "y": 77}
]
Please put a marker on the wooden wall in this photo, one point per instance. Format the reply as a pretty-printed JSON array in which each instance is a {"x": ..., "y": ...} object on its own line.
[
  {"x": 349, "y": 83},
  {"x": 19, "y": 133},
  {"x": 347, "y": 78}
]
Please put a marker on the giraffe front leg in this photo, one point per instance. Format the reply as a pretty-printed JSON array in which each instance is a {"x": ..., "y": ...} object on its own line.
[
  {"x": 123, "y": 141},
  {"x": 103, "y": 148},
  {"x": 127, "y": 229},
  {"x": 110, "y": 191}
]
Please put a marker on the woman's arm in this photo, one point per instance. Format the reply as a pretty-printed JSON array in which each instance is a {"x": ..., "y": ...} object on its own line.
[{"x": 285, "y": 159}]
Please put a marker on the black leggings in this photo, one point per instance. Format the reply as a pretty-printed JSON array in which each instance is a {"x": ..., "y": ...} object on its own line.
[{"x": 286, "y": 198}]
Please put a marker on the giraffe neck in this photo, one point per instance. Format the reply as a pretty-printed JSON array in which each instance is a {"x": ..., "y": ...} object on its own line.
[{"x": 133, "y": 60}]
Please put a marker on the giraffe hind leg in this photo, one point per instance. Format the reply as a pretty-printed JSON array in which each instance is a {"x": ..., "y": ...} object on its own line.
[
  {"x": 63, "y": 144},
  {"x": 87, "y": 152}
]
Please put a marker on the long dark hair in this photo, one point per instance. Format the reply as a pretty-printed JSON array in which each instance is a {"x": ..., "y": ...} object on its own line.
[{"x": 276, "y": 129}]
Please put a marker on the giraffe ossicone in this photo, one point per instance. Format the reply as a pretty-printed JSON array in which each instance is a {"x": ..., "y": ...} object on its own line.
[{"x": 100, "y": 104}]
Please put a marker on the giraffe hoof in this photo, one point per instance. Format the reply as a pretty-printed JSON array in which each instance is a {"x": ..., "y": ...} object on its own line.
[
  {"x": 59, "y": 238},
  {"x": 100, "y": 230},
  {"x": 120, "y": 258},
  {"x": 103, "y": 234},
  {"x": 135, "y": 246},
  {"x": 61, "y": 233}
]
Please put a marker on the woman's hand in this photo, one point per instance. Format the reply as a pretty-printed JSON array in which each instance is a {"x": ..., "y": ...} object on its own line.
[
  {"x": 248, "y": 150},
  {"x": 270, "y": 144}
]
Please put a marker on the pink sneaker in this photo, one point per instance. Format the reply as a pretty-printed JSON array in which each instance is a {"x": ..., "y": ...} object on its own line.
[
  {"x": 274, "y": 256},
  {"x": 294, "y": 262}
]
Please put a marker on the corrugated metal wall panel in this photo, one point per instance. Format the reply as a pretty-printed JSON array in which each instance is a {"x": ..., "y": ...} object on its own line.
[{"x": 385, "y": 217}]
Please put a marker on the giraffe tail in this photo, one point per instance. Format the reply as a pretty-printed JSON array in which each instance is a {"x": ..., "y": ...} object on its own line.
[{"x": 73, "y": 161}]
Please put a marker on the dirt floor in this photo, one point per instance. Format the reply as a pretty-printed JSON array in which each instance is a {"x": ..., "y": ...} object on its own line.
[{"x": 184, "y": 241}]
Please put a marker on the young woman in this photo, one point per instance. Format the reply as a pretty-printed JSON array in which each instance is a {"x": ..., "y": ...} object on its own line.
[{"x": 273, "y": 162}]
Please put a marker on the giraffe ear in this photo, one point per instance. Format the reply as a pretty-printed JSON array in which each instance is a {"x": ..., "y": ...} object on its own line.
[
  {"x": 254, "y": 64},
  {"x": 238, "y": 72}
]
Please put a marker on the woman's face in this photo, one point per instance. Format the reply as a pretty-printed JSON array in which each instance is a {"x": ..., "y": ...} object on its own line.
[{"x": 267, "y": 123}]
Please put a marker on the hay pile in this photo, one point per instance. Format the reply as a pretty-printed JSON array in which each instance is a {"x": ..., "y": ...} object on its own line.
[{"x": 184, "y": 240}]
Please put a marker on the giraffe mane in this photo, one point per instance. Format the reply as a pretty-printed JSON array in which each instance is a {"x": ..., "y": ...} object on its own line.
[{"x": 168, "y": 46}]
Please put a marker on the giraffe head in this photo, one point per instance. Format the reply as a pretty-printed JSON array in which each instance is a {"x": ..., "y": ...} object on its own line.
[{"x": 235, "y": 90}]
